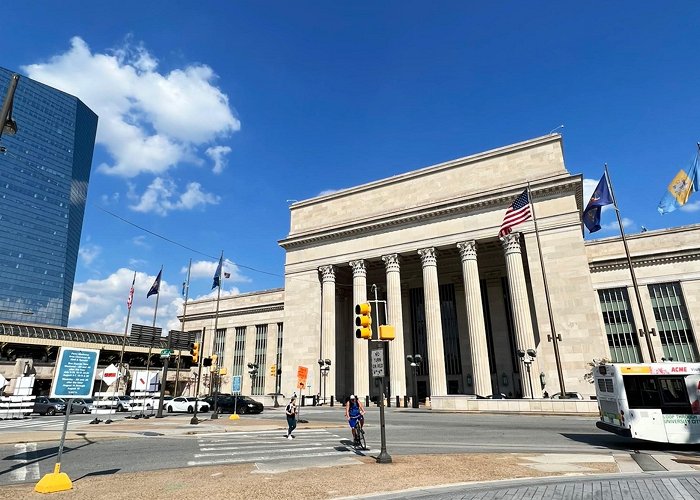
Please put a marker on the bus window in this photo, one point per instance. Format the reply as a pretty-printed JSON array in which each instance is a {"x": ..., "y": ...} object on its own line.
[
  {"x": 642, "y": 391},
  {"x": 674, "y": 396}
]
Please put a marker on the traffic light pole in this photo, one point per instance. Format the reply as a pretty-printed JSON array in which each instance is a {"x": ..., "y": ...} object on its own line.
[
  {"x": 384, "y": 457},
  {"x": 195, "y": 420},
  {"x": 164, "y": 382}
]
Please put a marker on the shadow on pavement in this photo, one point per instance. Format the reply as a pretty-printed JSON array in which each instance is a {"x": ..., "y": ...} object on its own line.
[
  {"x": 615, "y": 442},
  {"x": 40, "y": 455},
  {"x": 107, "y": 472}
]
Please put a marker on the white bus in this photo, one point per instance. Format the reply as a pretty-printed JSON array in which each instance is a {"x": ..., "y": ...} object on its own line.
[{"x": 651, "y": 401}]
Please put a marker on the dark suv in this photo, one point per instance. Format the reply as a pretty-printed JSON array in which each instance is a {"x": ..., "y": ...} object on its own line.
[
  {"x": 225, "y": 403},
  {"x": 49, "y": 406}
]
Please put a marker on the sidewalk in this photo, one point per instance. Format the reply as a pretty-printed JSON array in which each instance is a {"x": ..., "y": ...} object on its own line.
[{"x": 476, "y": 475}]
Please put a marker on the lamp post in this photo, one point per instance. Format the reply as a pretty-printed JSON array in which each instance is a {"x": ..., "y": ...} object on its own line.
[
  {"x": 7, "y": 124},
  {"x": 253, "y": 371},
  {"x": 324, "y": 365},
  {"x": 415, "y": 361},
  {"x": 528, "y": 357}
]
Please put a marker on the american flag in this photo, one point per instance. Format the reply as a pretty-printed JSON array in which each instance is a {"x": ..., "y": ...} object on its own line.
[
  {"x": 130, "y": 299},
  {"x": 518, "y": 212}
]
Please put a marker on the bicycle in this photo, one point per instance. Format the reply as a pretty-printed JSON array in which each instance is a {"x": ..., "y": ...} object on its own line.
[{"x": 359, "y": 436}]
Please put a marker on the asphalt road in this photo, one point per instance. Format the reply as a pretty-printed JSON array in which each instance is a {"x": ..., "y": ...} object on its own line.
[{"x": 407, "y": 432}]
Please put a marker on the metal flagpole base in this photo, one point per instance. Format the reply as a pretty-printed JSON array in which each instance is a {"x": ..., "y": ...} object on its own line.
[
  {"x": 214, "y": 415},
  {"x": 108, "y": 421},
  {"x": 194, "y": 421},
  {"x": 384, "y": 458}
]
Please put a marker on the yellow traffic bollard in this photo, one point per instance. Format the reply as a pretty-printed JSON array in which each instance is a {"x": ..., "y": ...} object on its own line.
[
  {"x": 54, "y": 481},
  {"x": 234, "y": 416}
]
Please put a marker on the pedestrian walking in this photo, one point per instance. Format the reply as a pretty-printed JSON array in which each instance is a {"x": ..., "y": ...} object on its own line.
[{"x": 291, "y": 411}]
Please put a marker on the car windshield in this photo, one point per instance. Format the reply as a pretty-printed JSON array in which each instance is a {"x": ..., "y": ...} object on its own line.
[
  {"x": 87, "y": 401},
  {"x": 56, "y": 400},
  {"x": 125, "y": 398}
]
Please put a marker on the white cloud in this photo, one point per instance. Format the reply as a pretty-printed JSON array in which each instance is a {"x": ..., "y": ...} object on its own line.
[
  {"x": 327, "y": 191},
  {"x": 589, "y": 186},
  {"x": 88, "y": 253},
  {"x": 207, "y": 268},
  {"x": 162, "y": 197},
  {"x": 140, "y": 241},
  {"x": 141, "y": 111},
  {"x": 217, "y": 154},
  {"x": 100, "y": 304},
  {"x": 691, "y": 206}
]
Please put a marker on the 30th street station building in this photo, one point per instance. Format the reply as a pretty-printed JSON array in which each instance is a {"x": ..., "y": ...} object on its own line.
[{"x": 463, "y": 299}]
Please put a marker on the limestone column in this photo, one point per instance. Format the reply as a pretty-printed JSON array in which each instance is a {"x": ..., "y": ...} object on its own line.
[
  {"x": 359, "y": 346},
  {"x": 478, "y": 350},
  {"x": 524, "y": 337},
  {"x": 328, "y": 329},
  {"x": 397, "y": 363},
  {"x": 433, "y": 323}
]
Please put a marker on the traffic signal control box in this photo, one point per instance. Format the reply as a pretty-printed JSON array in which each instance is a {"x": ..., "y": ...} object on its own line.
[{"x": 386, "y": 332}]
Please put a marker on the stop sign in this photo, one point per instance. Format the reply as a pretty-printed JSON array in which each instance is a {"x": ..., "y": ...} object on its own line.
[{"x": 109, "y": 374}]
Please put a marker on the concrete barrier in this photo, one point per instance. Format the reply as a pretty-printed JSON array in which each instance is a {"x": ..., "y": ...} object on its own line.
[{"x": 533, "y": 406}]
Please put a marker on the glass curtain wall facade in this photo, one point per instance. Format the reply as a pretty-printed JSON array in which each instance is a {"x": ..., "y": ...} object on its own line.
[{"x": 44, "y": 177}]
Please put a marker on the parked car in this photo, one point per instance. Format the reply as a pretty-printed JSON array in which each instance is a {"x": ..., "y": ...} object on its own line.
[
  {"x": 81, "y": 406},
  {"x": 49, "y": 406},
  {"x": 182, "y": 403},
  {"x": 119, "y": 403},
  {"x": 569, "y": 395},
  {"x": 226, "y": 402}
]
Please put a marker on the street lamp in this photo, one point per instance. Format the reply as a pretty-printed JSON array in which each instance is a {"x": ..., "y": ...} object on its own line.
[
  {"x": 415, "y": 361},
  {"x": 324, "y": 365},
  {"x": 528, "y": 357}
]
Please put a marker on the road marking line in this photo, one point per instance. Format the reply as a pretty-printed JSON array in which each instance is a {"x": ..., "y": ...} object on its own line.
[
  {"x": 267, "y": 458},
  {"x": 234, "y": 446},
  {"x": 268, "y": 451},
  {"x": 28, "y": 471},
  {"x": 245, "y": 433}
]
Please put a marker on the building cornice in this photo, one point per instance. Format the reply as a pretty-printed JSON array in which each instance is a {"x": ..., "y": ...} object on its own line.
[
  {"x": 647, "y": 260},
  {"x": 243, "y": 311},
  {"x": 488, "y": 200}
]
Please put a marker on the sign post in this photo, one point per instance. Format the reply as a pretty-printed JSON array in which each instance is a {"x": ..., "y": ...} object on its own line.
[
  {"x": 236, "y": 389},
  {"x": 302, "y": 375},
  {"x": 75, "y": 378}
]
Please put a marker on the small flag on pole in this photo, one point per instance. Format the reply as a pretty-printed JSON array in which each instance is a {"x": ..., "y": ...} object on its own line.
[
  {"x": 680, "y": 188},
  {"x": 130, "y": 299},
  {"x": 155, "y": 288},
  {"x": 217, "y": 274},
  {"x": 517, "y": 213},
  {"x": 599, "y": 198}
]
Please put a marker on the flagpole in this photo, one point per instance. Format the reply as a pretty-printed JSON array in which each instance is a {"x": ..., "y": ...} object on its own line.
[
  {"x": 150, "y": 348},
  {"x": 184, "y": 316},
  {"x": 554, "y": 337},
  {"x": 647, "y": 333},
  {"x": 121, "y": 356},
  {"x": 214, "y": 414}
]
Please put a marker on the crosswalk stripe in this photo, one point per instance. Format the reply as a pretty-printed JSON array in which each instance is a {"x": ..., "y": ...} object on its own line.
[
  {"x": 269, "y": 452},
  {"x": 235, "y": 446},
  {"x": 264, "y": 458},
  {"x": 275, "y": 431}
]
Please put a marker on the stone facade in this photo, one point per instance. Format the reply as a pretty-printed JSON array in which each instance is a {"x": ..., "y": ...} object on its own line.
[{"x": 425, "y": 243}]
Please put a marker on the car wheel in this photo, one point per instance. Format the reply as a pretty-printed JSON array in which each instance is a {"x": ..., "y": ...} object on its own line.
[
  {"x": 190, "y": 409},
  {"x": 85, "y": 410},
  {"x": 120, "y": 408},
  {"x": 170, "y": 409},
  {"x": 51, "y": 411}
]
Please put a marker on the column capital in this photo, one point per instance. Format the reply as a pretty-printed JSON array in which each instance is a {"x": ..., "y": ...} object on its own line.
[
  {"x": 467, "y": 250},
  {"x": 511, "y": 243},
  {"x": 428, "y": 256},
  {"x": 391, "y": 262},
  {"x": 358, "y": 268},
  {"x": 327, "y": 273}
]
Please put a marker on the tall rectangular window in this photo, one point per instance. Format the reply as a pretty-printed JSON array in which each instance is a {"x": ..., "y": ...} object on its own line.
[
  {"x": 619, "y": 325},
  {"x": 238, "y": 351},
  {"x": 278, "y": 360},
  {"x": 672, "y": 322},
  {"x": 260, "y": 351},
  {"x": 219, "y": 345}
]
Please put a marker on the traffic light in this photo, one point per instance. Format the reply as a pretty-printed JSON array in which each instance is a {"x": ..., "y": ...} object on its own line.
[
  {"x": 363, "y": 321},
  {"x": 386, "y": 332},
  {"x": 214, "y": 362},
  {"x": 206, "y": 362},
  {"x": 194, "y": 351}
]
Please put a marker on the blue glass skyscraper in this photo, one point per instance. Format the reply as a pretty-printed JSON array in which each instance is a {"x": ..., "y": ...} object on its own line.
[{"x": 44, "y": 175}]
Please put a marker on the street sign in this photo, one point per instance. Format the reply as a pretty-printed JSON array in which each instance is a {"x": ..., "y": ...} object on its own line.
[
  {"x": 110, "y": 375},
  {"x": 75, "y": 373},
  {"x": 166, "y": 353},
  {"x": 236, "y": 380},
  {"x": 302, "y": 374},
  {"x": 378, "y": 362}
]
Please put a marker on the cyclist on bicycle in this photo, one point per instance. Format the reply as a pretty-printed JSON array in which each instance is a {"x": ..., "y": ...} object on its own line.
[{"x": 354, "y": 412}]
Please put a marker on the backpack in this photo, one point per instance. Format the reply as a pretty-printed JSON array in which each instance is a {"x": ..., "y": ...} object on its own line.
[{"x": 290, "y": 409}]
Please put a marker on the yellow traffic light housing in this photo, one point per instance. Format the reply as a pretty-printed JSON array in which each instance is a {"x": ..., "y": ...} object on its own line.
[
  {"x": 194, "y": 351},
  {"x": 386, "y": 332},
  {"x": 214, "y": 362},
  {"x": 363, "y": 321}
]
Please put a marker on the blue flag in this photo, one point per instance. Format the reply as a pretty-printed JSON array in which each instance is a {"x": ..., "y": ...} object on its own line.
[
  {"x": 217, "y": 274},
  {"x": 678, "y": 191},
  {"x": 599, "y": 198},
  {"x": 155, "y": 288}
]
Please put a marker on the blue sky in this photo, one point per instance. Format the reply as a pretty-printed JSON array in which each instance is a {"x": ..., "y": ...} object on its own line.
[{"x": 213, "y": 115}]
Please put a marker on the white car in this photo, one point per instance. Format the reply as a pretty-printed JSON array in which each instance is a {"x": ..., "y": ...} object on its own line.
[
  {"x": 185, "y": 404},
  {"x": 119, "y": 403}
]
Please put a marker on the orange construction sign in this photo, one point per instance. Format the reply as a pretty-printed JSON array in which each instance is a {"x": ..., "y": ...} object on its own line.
[{"x": 302, "y": 373}]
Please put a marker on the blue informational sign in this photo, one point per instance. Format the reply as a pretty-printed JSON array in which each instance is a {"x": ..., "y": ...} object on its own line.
[
  {"x": 236, "y": 380},
  {"x": 75, "y": 373}
]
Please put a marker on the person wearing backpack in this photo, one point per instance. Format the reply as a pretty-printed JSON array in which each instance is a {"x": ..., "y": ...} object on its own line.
[{"x": 291, "y": 411}]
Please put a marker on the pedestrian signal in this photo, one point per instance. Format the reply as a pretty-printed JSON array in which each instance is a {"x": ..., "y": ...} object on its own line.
[{"x": 363, "y": 321}]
